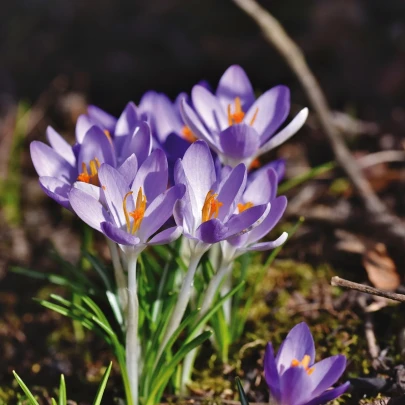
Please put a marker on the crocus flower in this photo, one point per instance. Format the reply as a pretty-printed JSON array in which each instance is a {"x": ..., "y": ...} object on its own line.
[
  {"x": 132, "y": 217},
  {"x": 235, "y": 125},
  {"x": 293, "y": 376}
]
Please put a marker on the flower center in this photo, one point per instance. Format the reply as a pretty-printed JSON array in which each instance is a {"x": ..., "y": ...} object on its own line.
[
  {"x": 237, "y": 116},
  {"x": 303, "y": 363},
  {"x": 188, "y": 134},
  {"x": 211, "y": 206},
  {"x": 137, "y": 214},
  {"x": 243, "y": 207},
  {"x": 92, "y": 177}
]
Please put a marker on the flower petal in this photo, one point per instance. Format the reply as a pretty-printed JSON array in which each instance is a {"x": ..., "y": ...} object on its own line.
[
  {"x": 262, "y": 189},
  {"x": 140, "y": 143},
  {"x": 175, "y": 146},
  {"x": 235, "y": 83},
  {"x": 88, "y": 208},
  {"x": 295, "y": 385},
  {"x": 277, "y": 165},
  {"x": 101, "y": 118},
  {"x": 129, "y": 168},
  {"x": 239, "y": 142},
  {"x": 297, "y": 344},
  {"x": 167, "y": 236},
  {"x": 269, "y": 111},
  {"x": 271, "y": 374},
  {"x": 56, "y": 189},
  {"x": 48, "y": 162},
  {"x": 119, "y": 235},
  {"x": 286, "y": 133},
  {"x": 159, "y": 211},
  {"x": 260, "y": 247},
  {"x": 211, "y": 231},
  {"x": 209, "y": 109},
  {"x": 168, "y": 119},
  {"x": 327, "y": 372},
  {"x": 125, "y": 125},
  {"x": 83, "y": 124},
  {"x": 61, "y": 146},
  {"x": 152, "y": 176},
  {"x": 330, "y": 395}
]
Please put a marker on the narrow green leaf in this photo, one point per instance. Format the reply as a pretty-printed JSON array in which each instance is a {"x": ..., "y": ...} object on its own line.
[
  {"x": 62, "y": 391},
  {"x": 242, "y": 394},
  {"x": 53, "y": 402},
  {"x": 101, "y": 387},
  {"x": 27, "y": 392}
]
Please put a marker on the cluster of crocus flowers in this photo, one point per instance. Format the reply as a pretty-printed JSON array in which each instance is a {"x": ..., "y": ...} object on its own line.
[
  {"x": 293, "y": 376},
  {"x": 164, "y": 170}
]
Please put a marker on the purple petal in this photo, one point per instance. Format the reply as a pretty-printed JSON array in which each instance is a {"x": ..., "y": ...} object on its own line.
[
  {"x": 56, "y": 189},
  {"x": 96, "y": 144},
  {"x": 140, "y": 143},
  {"x": 286, "y": 133},
  {"x": 239, "y": 142},
  {"x": 61, "y": 146},
  {"x": 88, "y": 208},
  {"x": 167, "y": 236},
  {"x": 211, "y": 231},
  {"x": 196, "y": 126},
  {"x": 295, "y": 385},
  {"x": 235, "y": 83},
  {"x": 271, "y": 374},
  {"x": 230, "y": 191},
  {"x": 103, "y": 119},
  {"x": 327, "y": 372},
  {"x": 199, "y": 171},
  {"x": 152, "y": 176},
  {"x": 330, "y": 395},
  {"x": 246, "y": 221},
  {"x": 115, "y": 188},
  {"x": 49, "y": 163},
  {"x": 277, "y": 208},
  {"x": 297, "y": 344},
  {"x": 269, "y": 111},
  {"x": 128, "y": 169},
  {"x": 125, "y": 127},
  {"x": 260, "y": 247},
  {"x": 159, "y": 211},
  {"x": 209, "y": 109},
  {"x": 168, "y": 118},
  {"x": 83, "y": 124},
  {"x": 262, "y": 189},
  {"x": 183, "y": 216},
  {"x": 119, "y": 235},
  {"x": 277, "y": 165},
  {"x": 175, "y": 146},
  {"x": 94, "y": 191}
]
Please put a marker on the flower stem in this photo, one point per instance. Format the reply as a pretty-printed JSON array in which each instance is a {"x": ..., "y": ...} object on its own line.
[
  {"x": 209, "y": 296},
  {"x": 182, "y": 300},
  {"x": 132, "y": 328}
]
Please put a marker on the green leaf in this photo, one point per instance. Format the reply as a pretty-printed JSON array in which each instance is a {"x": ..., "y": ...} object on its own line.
[
  {"x": 27, "y": 392},
  {"x": 53, "y": 402},
  {"x": 101, "y": 387},
  {"x": 242, "y": 394},
  {"x": 62, "y": 391}
]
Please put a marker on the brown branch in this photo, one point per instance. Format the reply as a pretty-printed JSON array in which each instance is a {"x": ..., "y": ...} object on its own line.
[
  {"x": 277, "y": 36},
  {"x": 341, "y": 282}
]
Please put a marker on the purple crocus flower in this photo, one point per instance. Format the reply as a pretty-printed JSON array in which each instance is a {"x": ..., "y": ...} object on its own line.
[
  {"x": 132, "y": 217},
  {"x": 207, "y": 210},
  {"x": 235, "y": 125},
  {"x": 293, "y": 376}
]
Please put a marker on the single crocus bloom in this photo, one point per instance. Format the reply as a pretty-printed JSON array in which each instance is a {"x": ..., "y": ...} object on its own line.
[
  {"x": 293, "y": 376},
  {"x": 238, "y": 127},
  {"x": 132, "y": 217}
]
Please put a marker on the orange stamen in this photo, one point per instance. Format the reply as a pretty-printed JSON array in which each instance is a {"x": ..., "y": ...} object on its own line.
[
  {"x": 108, "y": 135},
  {"x": 255, "y": 164},
  {"x": 211, "y": 206},
  {"x": 92, "y": 177},
  {"x": 188, "y": 134},
  {"x": 252, "y": 121},
  {"x": 243, "y": 207},
  {"x": 137, "y": 214},
  {"x": 304, "y": 363},
  {"x": 238, "y": 115}
]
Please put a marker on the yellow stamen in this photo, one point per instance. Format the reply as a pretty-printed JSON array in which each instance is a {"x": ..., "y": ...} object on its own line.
[
  {"x": 243, "y": 207},
  {"x": 137, "y": 214},
  {"x": 304, "y": 363},
  {"x": 238, "y": 116},
  {"x": 252, "y": 121},
  {"x": 188, "y": 134},
  {"x": 211, "y": 207},
  {"x": 108, "y": 135},
  {"x": 92, "y": 177}
]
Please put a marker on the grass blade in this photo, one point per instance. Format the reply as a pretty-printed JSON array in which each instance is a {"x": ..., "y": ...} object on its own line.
[
  {"x": 102, "y": 386},
  {"x": 27, "y": 392}
]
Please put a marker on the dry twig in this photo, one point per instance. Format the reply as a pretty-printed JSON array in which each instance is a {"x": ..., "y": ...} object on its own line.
[{"x": 277, "y": 36}]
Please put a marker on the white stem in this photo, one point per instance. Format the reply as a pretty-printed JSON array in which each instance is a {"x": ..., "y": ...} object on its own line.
[
  {"x": 182, "y": 300},
  {"x": 119, "y": 274},
  {"x": 225, "y": 288},
  {"x": 132, "y": 328},
  {"x": 209, "y": 295}
]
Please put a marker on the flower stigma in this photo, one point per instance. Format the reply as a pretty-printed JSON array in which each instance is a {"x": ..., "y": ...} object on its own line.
[
  {"x": 243, "y": 207},
  {"x": 137, "y": 214},
  {"x": 92, "y": 177},
  {"x": 304, "y": 363},
  {"x": 188, "y": 134},
  {"x": 238, "y": 115},
  {"x": 211, "y": 206}
]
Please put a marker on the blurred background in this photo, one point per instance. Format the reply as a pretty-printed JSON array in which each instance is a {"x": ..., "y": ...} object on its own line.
[{"x": 58, "y": 55}]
